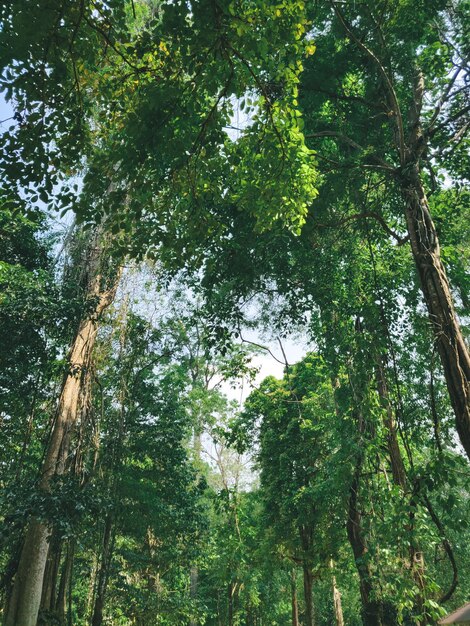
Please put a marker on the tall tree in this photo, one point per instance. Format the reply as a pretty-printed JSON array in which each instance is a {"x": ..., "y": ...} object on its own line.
[
  {"x": 371, "y": 113},
  {"x": 98, "y": 289}
]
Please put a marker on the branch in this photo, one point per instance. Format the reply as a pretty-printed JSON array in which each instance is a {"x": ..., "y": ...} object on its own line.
[
  {"x": 451, "y": 119},
  {"x": 345, "y": 98},
  {"x": 350, "y": 142},
  {"x": 262, "y": 88},
  {"x": 443, "y": 99},
  {"x": 383, "y": 72},
  {"x": 448, "y": 549},
  {"x": 369, "y": 214},
  {"x": 265, "y": 348}
]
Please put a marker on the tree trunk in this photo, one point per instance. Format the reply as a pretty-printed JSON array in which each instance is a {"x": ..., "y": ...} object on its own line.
[
  {"x": 371, "y": 609},
  {"x": 416, "y": 557},
  {"x": 51, "y": 574},
  {"x": 230, "y": 593},
  {"x": 27, "y": 588},
  {"x": 25, "y": 599},
  {"x": 453, "y": 352},
  {"x": 295, "y": 604},
  {"x": 339, "y": 620},
  {"x": 308, "y": 596},
  {"x": 193, "y": 585},
  {"x": 103, "y": 574},
  {"x": 64, "y": 587},
  {"x": 394, "y": 452}
]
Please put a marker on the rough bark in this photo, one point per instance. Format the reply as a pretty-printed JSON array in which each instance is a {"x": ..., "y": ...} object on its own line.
[
  {"x": 309, "y": 616},
  {"x": 294, "y": 602},
  {"x": 394, "y": 452},
  {"x": 193, "y": 586},
  {"x": 453, "y": 351},
  {"x": 51, "y": 574},
  {"x": 103, "y": 574},
  {"x": 371, "y": 609},
  {"x": 339, "y": 620},
  {"x": 27, "y": 587}
]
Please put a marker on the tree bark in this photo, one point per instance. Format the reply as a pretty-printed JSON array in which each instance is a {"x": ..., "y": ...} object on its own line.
[
  {"x": 308, "y": 596},
  {"x": 63, "y": 593},
  {"x": 294, "y": 602},
  {"x": 394, "y": 452},
  {"x": 453, "y": 351},
  {"x": 371, "y": 609},
  {"x": 103, "y": 574},
  {"x": 25, "y": 599},
  {"x": 27, "y": 587},
  {"x": 51, "y": 574},
  {"x": 339, "y": 620}
]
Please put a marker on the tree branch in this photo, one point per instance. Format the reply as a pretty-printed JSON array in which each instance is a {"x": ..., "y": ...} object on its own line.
[
  {"x": 369, "y": 214},
  {"x": 383, "y": 72},
  {"x": 352, "y": 143}
]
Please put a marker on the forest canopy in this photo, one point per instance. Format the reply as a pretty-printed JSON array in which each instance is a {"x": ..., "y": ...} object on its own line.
[{"x": 188, "y": 190}]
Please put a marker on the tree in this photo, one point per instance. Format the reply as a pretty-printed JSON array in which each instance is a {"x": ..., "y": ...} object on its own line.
[
  {"x": 296, "y": 422},
  {"x": 99, "y": 290},
  {"x": 372, "y": 113}
]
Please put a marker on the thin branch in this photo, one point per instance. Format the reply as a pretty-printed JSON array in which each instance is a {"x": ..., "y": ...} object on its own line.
[
  {"x": 350, "y": 142},
  {"x": 443, "y": 99},
  {"x": 258, "y": 345},
  {"x": 383, "y": 72},
  {"x": 262, "y": 88},
  {"x": 343, "y": 97},
  {"x": 451, "y": 119},
  {"x": 369, "y": 214},
  {"x": 448, "y": 549}
]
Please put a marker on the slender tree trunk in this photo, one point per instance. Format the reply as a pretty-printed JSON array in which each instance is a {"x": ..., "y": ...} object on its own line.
[
  {"x": 103, "y": 574},
  {"x": 294, "y": 602},
  {"x": 416, "y": 557},
  {"x": 230, "y": 594},
  {"x": 308, "y": 596},
  {"x": 371, "y": 609},
  {"x": 64, "y": 586},
  {"x": 103, "y": 569},
  {"x": 193, "y": 586},
  {"x": 91, "y": 589},
  {"x": 27, "y": 588},
  {"x": 394, "y": 452},
  {"x": 339, "y": 620}
]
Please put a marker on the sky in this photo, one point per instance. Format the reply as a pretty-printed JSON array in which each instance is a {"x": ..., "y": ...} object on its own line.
[{"x": 5, "y": 112}]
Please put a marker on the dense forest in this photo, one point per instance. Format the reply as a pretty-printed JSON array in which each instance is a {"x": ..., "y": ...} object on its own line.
[{"x": 187, "y": 188}]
